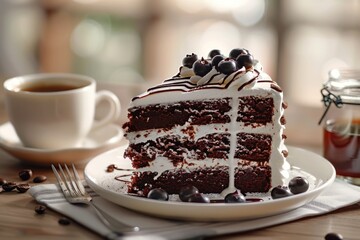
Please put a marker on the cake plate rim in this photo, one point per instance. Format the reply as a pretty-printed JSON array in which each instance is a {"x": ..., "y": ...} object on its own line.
[{"x": 100, "y": 182}]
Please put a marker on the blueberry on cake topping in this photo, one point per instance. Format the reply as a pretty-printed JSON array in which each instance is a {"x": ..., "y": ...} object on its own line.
[{"x": 189, "y": 60}]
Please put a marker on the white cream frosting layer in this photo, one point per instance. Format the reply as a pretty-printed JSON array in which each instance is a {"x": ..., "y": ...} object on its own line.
[
  {"x": 182, "y": 87},
  {"x": 187, "y": 86}
]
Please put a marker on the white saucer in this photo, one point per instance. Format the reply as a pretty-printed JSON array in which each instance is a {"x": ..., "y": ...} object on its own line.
[{"x": 97, "y": 142}]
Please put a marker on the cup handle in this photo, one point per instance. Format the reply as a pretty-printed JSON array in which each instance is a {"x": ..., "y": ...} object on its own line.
[{"x": 114, "y": 109}]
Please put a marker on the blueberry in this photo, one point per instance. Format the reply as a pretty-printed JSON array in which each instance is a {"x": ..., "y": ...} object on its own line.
[
  {"x": 236, "y": 52},
  {"x": 216, "y": 60},
  {"x": 298, "y": 185},
  {"x": 333, "y": 236},
  {"x": 214, "y": 53},
  {"x": 186, "y": 192},
  {"x": 189, "y": 60},
  {"x": 235, "y": 197},
  {"x": 198, "y": 198},
  {"x": 246, "y": 60},
  {"x": 280, "y": 192},
  {"x": 201, "y": 67},
  {"x": 158, "y": 194},
  {"x": 227, "y": 66}
]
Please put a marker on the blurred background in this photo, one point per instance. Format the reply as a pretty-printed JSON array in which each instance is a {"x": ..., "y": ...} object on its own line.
[{"x": 127, "y": 45}]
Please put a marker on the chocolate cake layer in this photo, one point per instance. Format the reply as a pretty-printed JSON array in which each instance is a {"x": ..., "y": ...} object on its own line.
[
  {"x": 253, "y": 147},
  {"x": 253, "y": 178},
  {"x": 178, "y": 149},
  {"x": 207, "y": 180},
  {"x": 255, "y": 110},
  {"x": 167, "y": 116}
]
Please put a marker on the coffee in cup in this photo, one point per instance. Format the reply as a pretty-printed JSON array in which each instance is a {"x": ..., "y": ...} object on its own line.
[{"x": 56, "y": 110}]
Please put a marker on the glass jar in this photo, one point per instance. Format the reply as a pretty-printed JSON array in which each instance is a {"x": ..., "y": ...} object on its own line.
[{"x": 341, "y": 123}]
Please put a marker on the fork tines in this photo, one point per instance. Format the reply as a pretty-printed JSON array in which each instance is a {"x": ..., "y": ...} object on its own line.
[{"x": 69, "y": 182}]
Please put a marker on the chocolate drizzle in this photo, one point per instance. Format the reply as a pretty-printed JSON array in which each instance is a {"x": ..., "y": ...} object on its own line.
[
  {"x": 119, "y": 178},
  {"x": 184, "y": 84},
  {"x": 212, "y": 78},
  {"x": 113, "y": 167}
]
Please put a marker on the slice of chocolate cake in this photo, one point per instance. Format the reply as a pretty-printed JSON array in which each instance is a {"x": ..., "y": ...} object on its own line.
[{"x": 217, "y": 125}]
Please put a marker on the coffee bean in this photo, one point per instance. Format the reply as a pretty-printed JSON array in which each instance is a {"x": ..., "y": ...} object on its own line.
[
  {"x": 23, "y": 187},
  {"x": 2, "y": 181},
  {"x": 25, "y": 174},
  {"x": 40, "y": 209},
  {"x": 64, "y": 221},
  {"x": 40, "y": 179},
  {"x": 9, "y": 186}
]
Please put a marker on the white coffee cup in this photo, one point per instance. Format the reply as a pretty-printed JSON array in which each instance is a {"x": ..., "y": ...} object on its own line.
[{"x": 56, "y": 110}]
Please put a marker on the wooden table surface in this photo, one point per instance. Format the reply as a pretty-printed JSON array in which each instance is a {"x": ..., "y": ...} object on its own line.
[{"x": 18, "y": 219}]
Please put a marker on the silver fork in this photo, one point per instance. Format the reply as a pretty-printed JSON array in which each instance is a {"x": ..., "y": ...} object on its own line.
[{"x": 75, "y": 193}]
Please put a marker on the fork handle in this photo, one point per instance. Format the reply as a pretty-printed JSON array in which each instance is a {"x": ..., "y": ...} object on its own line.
[{"x": 119, "y": 229}]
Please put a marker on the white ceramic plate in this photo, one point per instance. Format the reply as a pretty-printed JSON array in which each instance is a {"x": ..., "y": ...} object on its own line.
[
  {"x": 317, "y": 169},
  {"x": 97, "y": 142}
]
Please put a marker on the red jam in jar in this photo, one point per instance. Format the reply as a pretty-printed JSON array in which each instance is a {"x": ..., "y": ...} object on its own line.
[
  {"x": 341, "y": 123},
  {"x": 342, "y": 147}
]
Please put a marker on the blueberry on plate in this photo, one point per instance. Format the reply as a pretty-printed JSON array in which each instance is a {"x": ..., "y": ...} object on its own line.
[
  {"x": 214, "y": 53},
  {"x": 245, "y": 60},
  {"x": 235, "y": 197},
  {"x": 158, "y": 194},
  {"x": 189, "y": 60},
  {"x": 227, "y": 66},
  {"x": 186, "y": 192},
  {"x": 298, "y": 185},
  {"x": 201, "y": 67},
  {"x": 280, "y": 192},
  {"x": 236, "y": 52},
  {"x": 198, "y": 198}
]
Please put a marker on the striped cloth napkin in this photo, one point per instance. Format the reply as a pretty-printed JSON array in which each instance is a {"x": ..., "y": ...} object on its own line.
[{"x": 337, "y": 196}]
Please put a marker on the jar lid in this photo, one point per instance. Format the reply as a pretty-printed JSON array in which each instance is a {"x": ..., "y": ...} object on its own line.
[
  {"x": 342, "y": 87},
  {"x": 345, "y": 84}
]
